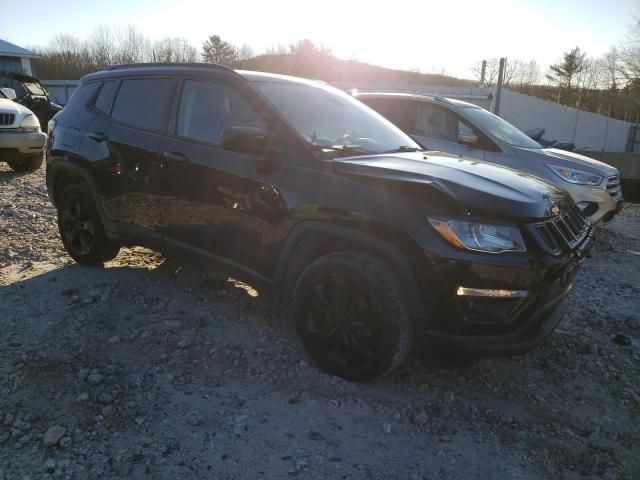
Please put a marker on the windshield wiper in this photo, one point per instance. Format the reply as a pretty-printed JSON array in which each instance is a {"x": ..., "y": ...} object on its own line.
[
  {"x": 343, "y": 149},
  {"x": 404, "y": 148}
]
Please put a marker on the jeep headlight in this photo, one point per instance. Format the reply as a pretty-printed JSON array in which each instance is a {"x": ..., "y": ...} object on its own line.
[
  {"x": 576, "y": 176},
  {"x": 30, "y": 124},
  {"x": 482, "y": 237}
]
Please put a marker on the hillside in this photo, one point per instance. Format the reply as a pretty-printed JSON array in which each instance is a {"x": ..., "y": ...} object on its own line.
[{"x": 329, "y": 68}]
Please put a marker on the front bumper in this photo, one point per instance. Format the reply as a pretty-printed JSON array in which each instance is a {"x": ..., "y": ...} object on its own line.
[
  {"x": 496, "y": 326},
  {"x": 21, "y": 144},
  {"x": 606, "y": 204}
]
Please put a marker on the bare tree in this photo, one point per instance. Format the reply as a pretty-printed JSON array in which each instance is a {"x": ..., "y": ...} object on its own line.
[{"x": 174, "y": 49}]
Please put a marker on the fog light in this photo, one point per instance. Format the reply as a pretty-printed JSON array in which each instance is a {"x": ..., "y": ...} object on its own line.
[
  {"x": 588, "y": 208},
  {"x": 491, "y": 292}
]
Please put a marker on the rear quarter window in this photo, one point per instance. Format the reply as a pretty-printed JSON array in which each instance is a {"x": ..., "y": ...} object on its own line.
[
  {"x": 103, "y": 98},
  {"x": 144, "y": 103},
  {"x": 83, "y": 95}
]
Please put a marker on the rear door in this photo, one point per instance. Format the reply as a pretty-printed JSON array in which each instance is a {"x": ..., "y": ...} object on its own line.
[
  {"x": 127, "y": 132},
  {"x": 223, "y": 202}
]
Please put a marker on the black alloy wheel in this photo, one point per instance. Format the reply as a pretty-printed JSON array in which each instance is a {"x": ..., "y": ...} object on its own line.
[{"x": 351, "y": 316}]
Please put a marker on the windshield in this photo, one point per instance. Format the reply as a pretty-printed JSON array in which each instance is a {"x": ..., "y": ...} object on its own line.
[
  {"x": 34, "y": 88},
  {"x": 500, "y": 129},
  {"x": 328, "y": 118}
]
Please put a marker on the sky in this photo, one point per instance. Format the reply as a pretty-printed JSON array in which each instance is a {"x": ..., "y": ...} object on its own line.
[{"x": 434, "y": 36}]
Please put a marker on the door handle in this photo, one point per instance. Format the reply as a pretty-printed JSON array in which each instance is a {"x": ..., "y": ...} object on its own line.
[
  {"x": 98, "y": 137},
  {"x": 177, "y": 157}
]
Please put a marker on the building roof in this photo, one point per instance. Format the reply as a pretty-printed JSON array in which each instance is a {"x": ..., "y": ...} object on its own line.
[{"x": 8, "y": 49}]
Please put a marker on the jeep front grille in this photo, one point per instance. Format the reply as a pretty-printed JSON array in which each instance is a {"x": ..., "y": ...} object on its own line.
[
  {"x": 7, "y": 118},
  {"x": 564, "y": 232},
  {"x": 613, "y": 187}
]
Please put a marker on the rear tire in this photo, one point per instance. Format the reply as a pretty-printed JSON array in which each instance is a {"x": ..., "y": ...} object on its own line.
[
  {"x": 81, "y": 228},
  {"x": 28, "y": 164},
  {"x": 351, "y": 316}
]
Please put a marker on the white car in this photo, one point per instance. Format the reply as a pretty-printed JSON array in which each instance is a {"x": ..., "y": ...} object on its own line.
[
  {"x": 21, "y": 140},
  {"x": 464, "y": 129}
]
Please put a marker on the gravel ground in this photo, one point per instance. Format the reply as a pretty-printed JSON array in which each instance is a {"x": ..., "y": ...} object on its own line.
[{"x": 145, "y": 369}]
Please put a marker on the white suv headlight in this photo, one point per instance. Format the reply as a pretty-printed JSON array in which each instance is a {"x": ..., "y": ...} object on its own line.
[
  {"x": 30, "y": 124},
  {"x": 576, "y": 176},
  {"x": 482, "y": 237}
]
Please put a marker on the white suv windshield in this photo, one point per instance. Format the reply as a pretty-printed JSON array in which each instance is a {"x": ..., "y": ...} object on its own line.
[
  {"x": 329, "y": 118},
  {"x": 499, "y": 128}
]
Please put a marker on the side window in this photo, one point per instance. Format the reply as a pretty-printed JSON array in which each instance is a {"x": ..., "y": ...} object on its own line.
[
  {"x": 436, "y": 123},
  {"x": 103, "y": 98},
  {"x": 144, "y": 102},
  {"x": 208, "y": 108},
  {"x": 398, "y": 112}
]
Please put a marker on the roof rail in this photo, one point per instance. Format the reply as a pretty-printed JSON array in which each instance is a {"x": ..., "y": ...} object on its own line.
[
  {"x": 214, "y": 66},
  {"x": 434, "y": 96}
]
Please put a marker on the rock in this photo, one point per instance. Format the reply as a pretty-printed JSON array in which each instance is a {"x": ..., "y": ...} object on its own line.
[
  {"x": 53, "y": 435},
  {"x": 315, "y": 436},
  {"x": 601, "y": 443},
  {"x": 386, "y": 428},
  {"x": 50, "y": 465},
  {"x": 64, "y": 442},
  {"x": 194, "y": 419},
  {"x": 183, "y": 343},
  {"x": 8, "y": 419},
  {"x": 114, "y": 339},
  {"x": 632, "y": 320},
  {"x": 4, "y": 436},
  {"x": 421, "y": 418},
  {"x": 83, "y": 374},
  {"x": 105, "y": 398},
  {"x": 83, "y": 397},
  {"x": 107, "y": 411},
  {"x": 621, "y": 340},
  {"x": 95, "y": 379}
]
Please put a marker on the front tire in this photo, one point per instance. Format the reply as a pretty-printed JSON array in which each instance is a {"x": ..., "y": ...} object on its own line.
[
  {"x": 81, "y": 228},
  {"x": 351, "y": 316},
  {"x": 28, "y": 164}
]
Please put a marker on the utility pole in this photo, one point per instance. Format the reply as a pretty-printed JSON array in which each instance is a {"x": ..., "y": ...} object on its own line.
[
  {"x": 496, "y": 107},
  {"x": 483, "y": 73}
]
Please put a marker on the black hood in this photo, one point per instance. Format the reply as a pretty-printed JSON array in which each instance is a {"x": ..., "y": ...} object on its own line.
[{"x": 474, "y": 185}]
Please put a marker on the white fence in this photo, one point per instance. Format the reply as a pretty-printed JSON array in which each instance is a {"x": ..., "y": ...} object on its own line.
[
  {"x": 61, "y": 89},
  {"x": 588, "y": 131}
]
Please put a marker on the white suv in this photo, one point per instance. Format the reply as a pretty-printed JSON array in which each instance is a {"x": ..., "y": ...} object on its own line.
[
  {"x": 463, "y": 129},
  {"x": 21, "y": 140}
]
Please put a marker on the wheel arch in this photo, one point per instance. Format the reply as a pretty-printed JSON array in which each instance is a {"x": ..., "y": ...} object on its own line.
[{"x": 309, "y": 240}]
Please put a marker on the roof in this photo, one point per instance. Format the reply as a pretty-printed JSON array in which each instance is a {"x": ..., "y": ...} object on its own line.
[
  {"x": 201, "y": 69},
  {"x": 8, "y": 49},
  {"x": 413, "y": 95}
]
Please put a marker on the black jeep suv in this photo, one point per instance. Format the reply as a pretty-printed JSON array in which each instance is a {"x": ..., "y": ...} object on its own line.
[{"x": 372, "y": 245}]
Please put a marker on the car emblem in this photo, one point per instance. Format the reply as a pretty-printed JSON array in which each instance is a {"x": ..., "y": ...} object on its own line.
[{"x": 555, "y": 210}]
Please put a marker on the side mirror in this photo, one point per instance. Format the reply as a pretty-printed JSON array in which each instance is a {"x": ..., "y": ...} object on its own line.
[
  {"x": 250, "y": 140},
  {"x": 469, "y": 139},
  {"x": 535, "y": 133},
  {"x": 9, "y": 92}
]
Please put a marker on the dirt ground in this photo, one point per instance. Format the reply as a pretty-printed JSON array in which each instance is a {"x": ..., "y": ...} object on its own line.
[{"x": 146, "y": 369}]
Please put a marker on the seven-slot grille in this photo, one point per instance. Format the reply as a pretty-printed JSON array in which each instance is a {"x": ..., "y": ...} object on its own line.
[
  {"x": 613, "y": 187},
  {"x": 7, "y": 118},
  {"x": 565, "y": 231}
]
